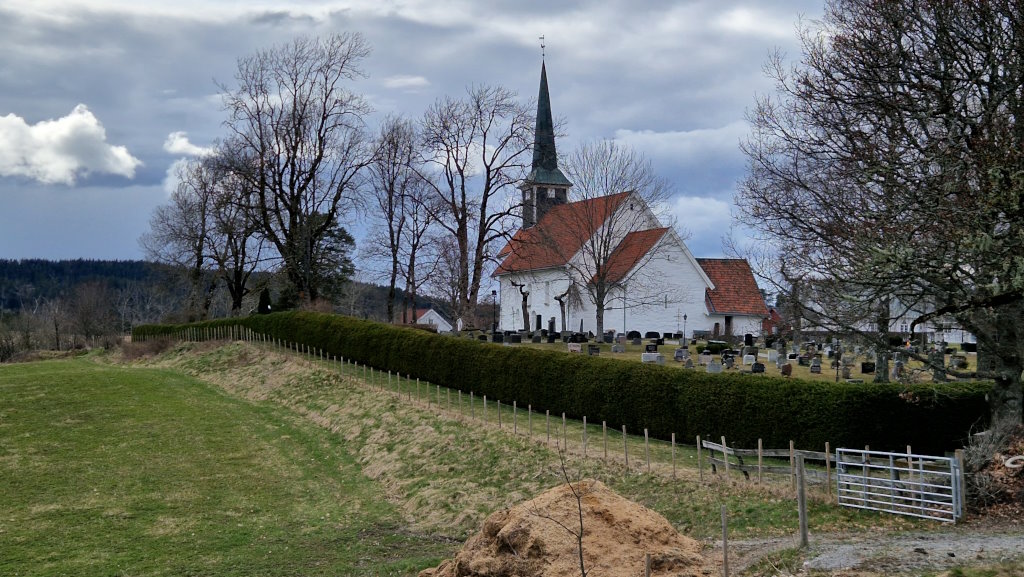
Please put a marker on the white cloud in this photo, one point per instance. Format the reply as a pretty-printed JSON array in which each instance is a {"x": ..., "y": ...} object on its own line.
[
  {"x": 178, "y": 143},
  {"x": 59, "y": 151},
  {"x": 687, "y": 144},
  {"x": 749, "y": 22},
  {"x": 703, "y": 217},
  {"x": 405, "y": 82}
]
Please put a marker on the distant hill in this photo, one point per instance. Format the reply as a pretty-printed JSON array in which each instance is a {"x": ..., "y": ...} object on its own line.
[{"x": 25, "y": 283}]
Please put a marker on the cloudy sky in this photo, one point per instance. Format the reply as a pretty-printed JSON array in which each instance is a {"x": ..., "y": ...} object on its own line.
[{"x": 99, "y": 98}]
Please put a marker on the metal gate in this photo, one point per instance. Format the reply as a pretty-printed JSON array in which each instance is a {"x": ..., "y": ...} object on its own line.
[{"x": 902, "y": 483}]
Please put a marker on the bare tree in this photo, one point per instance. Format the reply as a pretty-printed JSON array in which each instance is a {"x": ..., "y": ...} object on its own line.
[
  {"x": 179, "y": 233},
  {"x": 296, "y": 130},
  {"x": 621, "y": 196},
  {"x": 475, "y": 150},
  {"x": 888, "y": 166}
]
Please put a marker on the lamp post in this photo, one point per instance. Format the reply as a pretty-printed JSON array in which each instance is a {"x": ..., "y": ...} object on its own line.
[
  {"x": 494, "y": 314},
  {"x": 684, "y": 326}
]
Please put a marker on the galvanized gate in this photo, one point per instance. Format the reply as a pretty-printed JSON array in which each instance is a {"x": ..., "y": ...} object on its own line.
[{"x": 902, "y": 483}]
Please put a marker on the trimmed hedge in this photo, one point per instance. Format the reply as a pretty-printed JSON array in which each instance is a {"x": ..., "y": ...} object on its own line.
[{"x": 932, "y": 418}]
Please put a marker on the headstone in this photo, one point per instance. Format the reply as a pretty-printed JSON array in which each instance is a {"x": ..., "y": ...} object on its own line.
[
  {"x": 618, "y": 348},
  {"x": 757, "y": 368},
  {"x": 815, "y": 365},
  {"x": 515, "y": 338},
  {"x": 773, "y": 355},
  {"x": 714, "y": 367},
  {"x": 637, "y": 342},
  {"x": 633, "y": 335},
  {"x": 660, "y": 341},
  {"x": 551, "y": 325},
  {"x": 748, "y": 340},
  {"x": 651, "y": 335},
  {"x": 653, "y": 358},
  {"x": 958, "y": 361},
  {"x": 780, "y": 361},
  {"x": 651, "y": 348},
  {"x": 845, "y": 372},
  {"x": 682, "y": 354},
  {"x": 666, "y": 335},
  {"x": 802, "y": 361},
  {"x": 498, "y": 338},
  {"x": 704, "y": 358},
  {"x": 689, "y": 364},
  {"x": 609, "y": 338},
  {"x": 786, "y": 370},
  {"x": 593, "y": 350},
  {"x": 867, "y": 368},
  {"x": 536, "y": 339},
  {"x": 575, "y": 347},
  {"x": 792, "y": 356},
  {"x": 728, "y": 362},
  {"x": 749, "y": 359},
  {"x": 481, "y": 338}
]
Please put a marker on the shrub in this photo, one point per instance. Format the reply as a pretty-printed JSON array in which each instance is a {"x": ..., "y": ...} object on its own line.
[{"x": 664, "y": 400}]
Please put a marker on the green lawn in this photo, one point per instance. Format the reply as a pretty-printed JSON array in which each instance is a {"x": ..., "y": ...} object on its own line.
[{"x": 108, "y": 470}]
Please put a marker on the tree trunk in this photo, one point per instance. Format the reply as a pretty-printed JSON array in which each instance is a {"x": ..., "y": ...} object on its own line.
[
  {"x": 526, "y": 310},
  {"x": 882, "y": 347}
]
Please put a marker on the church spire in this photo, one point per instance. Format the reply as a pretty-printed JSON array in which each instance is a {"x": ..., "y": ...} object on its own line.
[{"x": 545, "y": 186}]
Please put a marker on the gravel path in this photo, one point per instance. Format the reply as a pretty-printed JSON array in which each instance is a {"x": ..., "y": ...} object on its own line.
[{"x": 884, "y": 554}]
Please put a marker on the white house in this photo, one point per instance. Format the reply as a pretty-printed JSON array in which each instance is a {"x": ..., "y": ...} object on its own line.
[
  {"x": 651, "y": 280},
  {"x": 433, "y": 318}
]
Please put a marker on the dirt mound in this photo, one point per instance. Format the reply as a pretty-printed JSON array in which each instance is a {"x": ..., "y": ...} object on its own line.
[{"x": 537, "y": 538}]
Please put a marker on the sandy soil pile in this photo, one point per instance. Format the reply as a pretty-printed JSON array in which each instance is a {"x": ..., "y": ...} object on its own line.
[{"x": 534, "y": 539}]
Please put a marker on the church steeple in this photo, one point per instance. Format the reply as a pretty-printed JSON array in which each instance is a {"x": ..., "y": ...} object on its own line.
[{"x": 545, "y": 186}]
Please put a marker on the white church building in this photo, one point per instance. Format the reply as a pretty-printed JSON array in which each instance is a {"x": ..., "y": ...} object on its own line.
[{"x": 613, "y": 246}]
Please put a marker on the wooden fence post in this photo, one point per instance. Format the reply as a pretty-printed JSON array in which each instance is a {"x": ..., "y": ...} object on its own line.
[
  {"x": 725, "y": 543},
  {"x": 725, "y": 457},
  {"x": 801, "y": 499},
  {"x": 700, "y": 454},
  {"x": 673, "y": 456},
  {"x": 828, "y": 471},
  {"x": 760, "y": 460},
  {"x": 604, "y": 435},
  {"x": 625, "y": 447},
  {"x": 647, "y": 451}
]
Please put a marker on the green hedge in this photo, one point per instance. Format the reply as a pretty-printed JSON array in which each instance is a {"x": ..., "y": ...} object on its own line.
[{"x": 932, "y": 418}]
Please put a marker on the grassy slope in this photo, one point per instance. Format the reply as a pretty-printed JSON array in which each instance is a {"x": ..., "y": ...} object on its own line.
[
  {"x": 445, "y": 473},
  {"x": 111, "y": 470}
]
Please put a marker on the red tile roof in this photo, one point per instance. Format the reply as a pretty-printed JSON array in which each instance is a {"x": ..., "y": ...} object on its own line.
[
  {"x": 735, "y": 289},
  {"x": 558, "y": 236},
  {"x": 629, "y": 252}
]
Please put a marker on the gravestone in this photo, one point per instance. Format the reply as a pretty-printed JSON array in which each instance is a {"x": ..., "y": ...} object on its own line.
[
  {"x": 792, "y": 356},
  {"x": 786, "y": 370},
  {"x": 651, "y": 335},
  {"x": 660, "y": 341},
  {"x": 666, "y": 335},
  {"x": 958, "y": 361},
  {"x": 537, "y": 323},
  {"x": 498, "y": 338},
  {"x": 714, "y": 367},
  {"x": 618, "y": 348},
  {"x": 749, "y": 359},
  {"x": 757, "y": 368},
  {"x": 803, "y": 361},
  {"x": 773, "y": 355},
  {"x": 779, "y": 361},
  {"x": 633, "y": 335},
  {"x": 748, "y": 340},
  {"x": 652, "y": 358},
  {"x": 515, "y": 338},
  {"x": 536, "y": 339},
  {"x": 867, "y": 368},
  {"x": 704, "y": 358},
  {"x": 728, "y": 362},
  {"x": 620, "y": 338},
  {"x": 575, "y": 347},
  {"x": 751, "y": 350},
  {"x": 681, "y": 354},
  {"x": 637, "y": 342},
  {"x": 816, "y": 365},
  {"x": 689, "y": 364},
  {"x": 551, "y": 325},
  {"x": 651, "y": 348},
  {"x": 593, "y": 350},
  {"x": 846, "y": 372}
]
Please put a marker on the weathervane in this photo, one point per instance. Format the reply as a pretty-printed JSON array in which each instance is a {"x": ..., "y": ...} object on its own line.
[{"x": 542, "y": 47}]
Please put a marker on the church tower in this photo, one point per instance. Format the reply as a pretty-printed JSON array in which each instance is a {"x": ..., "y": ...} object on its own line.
[{"x": 545, "y": 186}]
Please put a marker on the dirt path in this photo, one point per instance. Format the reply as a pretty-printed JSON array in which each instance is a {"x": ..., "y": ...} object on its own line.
[{"x": 883, "y": 554}]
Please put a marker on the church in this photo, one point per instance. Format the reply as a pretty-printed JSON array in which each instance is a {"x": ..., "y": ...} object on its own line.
[{"x": 606, "y": 264}]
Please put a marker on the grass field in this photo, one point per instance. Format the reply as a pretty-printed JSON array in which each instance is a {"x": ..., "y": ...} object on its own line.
[{"x": 108, "y": 470}]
